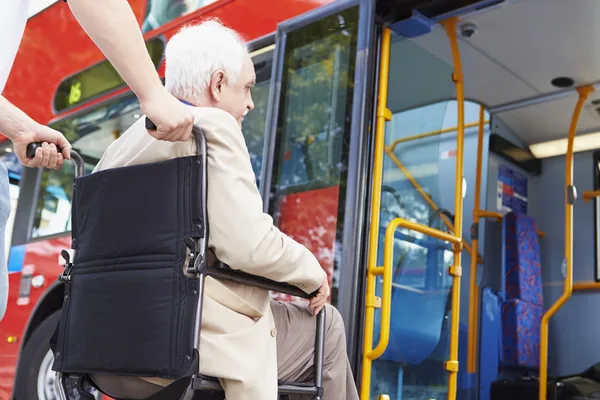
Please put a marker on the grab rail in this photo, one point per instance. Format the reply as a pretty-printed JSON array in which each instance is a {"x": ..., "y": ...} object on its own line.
[
  {"x": 437, "y": 132},
  {"x": 570, "y": 196},
  {"x": 590, "y": 194},
  {"x": 473, "y": 289},
  {"x": 372, "y": 301},
  {"x": 428, "y": 231},
  {"x": 455, "y": 271},
  {"x": 386, "y": 294}
]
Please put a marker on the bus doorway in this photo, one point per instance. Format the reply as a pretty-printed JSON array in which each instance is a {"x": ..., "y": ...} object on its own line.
[{"x": 417, "y": 208}]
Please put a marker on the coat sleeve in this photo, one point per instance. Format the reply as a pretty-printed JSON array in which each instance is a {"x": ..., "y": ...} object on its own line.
[{"x": 240, "y": 233}]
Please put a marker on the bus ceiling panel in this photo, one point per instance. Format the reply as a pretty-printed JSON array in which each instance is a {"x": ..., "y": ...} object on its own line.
[
  {"x": 514, "y": 52},
  {"x": 417, "y": 79},
  {"x": 551, "y": 120},
  {"x": 539, "y": 40}
]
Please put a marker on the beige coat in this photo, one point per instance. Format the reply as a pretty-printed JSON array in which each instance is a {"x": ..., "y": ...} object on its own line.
[{"x": 238, "y": 331}]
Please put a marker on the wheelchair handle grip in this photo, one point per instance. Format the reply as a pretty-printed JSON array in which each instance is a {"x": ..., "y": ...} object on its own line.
[
  {"x": 79, "y": 164},
  {"x": 151, "y": 126},
  {"x": 32, "y": 147}
]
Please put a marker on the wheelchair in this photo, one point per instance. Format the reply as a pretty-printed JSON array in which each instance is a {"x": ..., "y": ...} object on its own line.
[{"x": 134, "y": 281}]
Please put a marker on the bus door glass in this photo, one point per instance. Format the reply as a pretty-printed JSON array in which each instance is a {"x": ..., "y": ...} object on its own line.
[
  {"x": 311, "y": 129},
  {"x": 255, "y": 122},
  {"x": 418, "y": 185}
]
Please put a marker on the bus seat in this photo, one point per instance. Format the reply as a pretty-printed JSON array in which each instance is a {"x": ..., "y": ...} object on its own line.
[
  {"x": 522, "y": 309},
  {"x": 132, "y": 281},
  {"x": 416, "y": 325},
  {"x": 418, "y": 311},
  {"x": 511, "y": 317},
  {"x": 490, "y": 341},
  {"x": 522, "y": 265}
]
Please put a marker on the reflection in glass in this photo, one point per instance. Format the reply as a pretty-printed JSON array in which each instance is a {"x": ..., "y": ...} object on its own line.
[
  {"x": 255, "y": 122},
  {"x": 310, "y": 163}
]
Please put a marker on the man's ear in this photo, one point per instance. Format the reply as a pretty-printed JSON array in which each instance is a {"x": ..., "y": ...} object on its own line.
[{"x": 217, "y": 80}]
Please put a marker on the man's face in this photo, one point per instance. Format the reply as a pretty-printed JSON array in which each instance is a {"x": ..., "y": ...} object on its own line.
[{"x": 236, "y": 98}]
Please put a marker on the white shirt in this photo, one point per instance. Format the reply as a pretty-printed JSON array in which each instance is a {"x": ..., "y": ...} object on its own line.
[{"x": 13, "y": 17}]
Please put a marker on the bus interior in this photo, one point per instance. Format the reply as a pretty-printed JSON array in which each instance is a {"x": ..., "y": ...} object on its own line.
[{"x": 527, "y": 84}]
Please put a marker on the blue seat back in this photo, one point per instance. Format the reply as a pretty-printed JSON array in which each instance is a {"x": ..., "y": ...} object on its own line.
[
  {"x": 522, "y": 267},
  {"x": 522, "y": 309},
  {"x": 417, "y": 312}
]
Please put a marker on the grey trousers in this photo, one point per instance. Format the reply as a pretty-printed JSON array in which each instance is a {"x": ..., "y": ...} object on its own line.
[
  {"x": 295, "y": 349},
  {"x": 296, "y": 330}
]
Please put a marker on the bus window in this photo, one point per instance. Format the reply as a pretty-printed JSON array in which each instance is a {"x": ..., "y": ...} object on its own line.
[
  {"x": 310, "y": 160},
  {"x": 425, "y": 159},
  {"x": 98, "y": 80},
  {"x": 255, "y": 122},
  {"x": 160, "y": 12},
  {"x": 90, "y": 134}
]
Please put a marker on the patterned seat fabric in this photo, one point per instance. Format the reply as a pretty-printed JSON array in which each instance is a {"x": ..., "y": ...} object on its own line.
[
  {"x": 522, "y": 269},
  {"x": 523, "y": 309},
  {"x": 521, "y": 333}
]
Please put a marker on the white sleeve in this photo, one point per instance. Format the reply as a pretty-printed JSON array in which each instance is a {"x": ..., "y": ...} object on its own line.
[{"x": 13, "y": 17}]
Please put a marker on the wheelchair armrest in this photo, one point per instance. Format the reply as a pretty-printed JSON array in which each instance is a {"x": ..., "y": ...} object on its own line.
[{"x": 223, "y": 271}]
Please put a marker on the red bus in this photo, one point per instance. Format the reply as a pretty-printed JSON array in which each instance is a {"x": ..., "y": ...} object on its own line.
[{"x": 369, "y": 138}]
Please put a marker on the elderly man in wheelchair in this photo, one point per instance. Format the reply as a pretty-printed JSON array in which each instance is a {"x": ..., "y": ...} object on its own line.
[{"x": 167, "y": 282}]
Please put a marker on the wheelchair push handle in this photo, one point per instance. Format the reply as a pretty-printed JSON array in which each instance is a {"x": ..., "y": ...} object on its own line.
[
  {"x": 79, "y": 164},
  {"x": 196, "y": 132},
  {"x": 32, "y": 147},
  {"x": 151, "y": 126}
]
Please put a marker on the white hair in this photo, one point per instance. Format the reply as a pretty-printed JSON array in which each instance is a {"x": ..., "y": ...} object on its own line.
[{"x": 196, "y": 52}]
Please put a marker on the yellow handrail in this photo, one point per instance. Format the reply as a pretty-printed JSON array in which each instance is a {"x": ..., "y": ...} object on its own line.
[
  {"x": 484, "y": 213},
  {"x": 589, "y": 195},
  {"x": 371, "y": 301},
  {"x": 456, "y": 270},
  {"x": 396, "y": 142},
  {"x": 429, "y": 231},
  {"x": 584, "y": 93},
  {"x": 386, "y": 294},
  {"x": 579, "y": 286},
  {"x": 473, "y": 288}
]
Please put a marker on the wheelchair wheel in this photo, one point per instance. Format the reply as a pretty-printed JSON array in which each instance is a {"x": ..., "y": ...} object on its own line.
[{"x": 35, "y": 378}]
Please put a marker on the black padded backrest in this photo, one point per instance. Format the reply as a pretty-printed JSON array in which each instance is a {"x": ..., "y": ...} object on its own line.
[{"x": 129, "y": 309}]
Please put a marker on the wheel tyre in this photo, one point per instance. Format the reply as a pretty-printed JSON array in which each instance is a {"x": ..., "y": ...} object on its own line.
[{"x": 34, "y": 352}]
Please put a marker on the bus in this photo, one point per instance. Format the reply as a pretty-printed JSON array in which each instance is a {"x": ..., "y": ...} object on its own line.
[{"x": 438, "y": 157}]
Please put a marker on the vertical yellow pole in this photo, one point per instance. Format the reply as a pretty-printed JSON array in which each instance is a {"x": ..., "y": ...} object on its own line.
[
  {"x": 383, "y": 115},
  {"x": 584, "y": 93},
  {"x": 473, "y": 289},
  {"x": 456, "y": 269}
]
